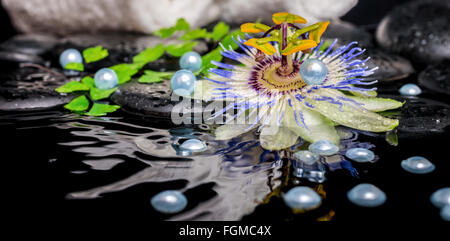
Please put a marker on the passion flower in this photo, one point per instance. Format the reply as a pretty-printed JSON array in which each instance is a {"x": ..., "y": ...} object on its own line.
[{"x": 289, "y": 86}]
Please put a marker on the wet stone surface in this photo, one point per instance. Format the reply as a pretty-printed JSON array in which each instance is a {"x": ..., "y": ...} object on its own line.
[
  {"x": 33, "y": 44},
  {"x": 151, "y": 99},
  {"x": 123, "y": 42},
  {"x": 15, "y": 57},
  {"x": 29, "y": 89},
  {"x": 122, "y": 48},
  {"x": 421, "y": 116},
  {"x": 390, "y": 66},
  {"x": 418, "y": 30},
  {"x": 436, "y": 78},
  {"x": 33, "y": 48},
  {"x": 347, "y": 32}
]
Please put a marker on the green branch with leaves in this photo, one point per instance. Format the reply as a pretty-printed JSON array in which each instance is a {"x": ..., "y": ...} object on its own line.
[{"x": 88, "y": 101}]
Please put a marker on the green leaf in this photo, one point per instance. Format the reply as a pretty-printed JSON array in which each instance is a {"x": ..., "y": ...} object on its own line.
[
  {"x": 71, "y": 87},
  {"x": 194, "y": 34},
  {"x": 101, "y": 109},
  {"x": 75, "y": 66},
  {"x": 154, "y": 77},
  {"x": 81, "y": 103},
  {"x": 126, "y": 71},
  {"x": 178, "y": 50},
  {"x": 350, "y": 115},
  {"x": 94, "y": 54},
  {"x": 377, "y": 104},
  {"x": 164, "y": 32},
  {"x": 228, "y": 40},
  {"x": 220, "y": 30},
  {"x": 88, "y": 81},
  {"x": 149, "y": 54},
  {"x": 98, "y": 94},
  {"x": 207, "y": 58},
  {"x": 182, "y": 25}
]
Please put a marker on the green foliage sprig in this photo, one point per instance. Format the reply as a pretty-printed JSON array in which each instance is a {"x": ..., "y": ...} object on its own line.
[{"x": 87, "y": 103}]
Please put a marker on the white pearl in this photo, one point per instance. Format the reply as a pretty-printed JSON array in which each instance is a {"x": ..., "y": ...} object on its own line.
[
  {"x": 313, "y": 71},
  {"x": 302, "y": 198},
  {"x": 366, "y": 195},
  {"x": 193, "y": 145},
  {"x": 417, "y": 165},
  {"x": 70, "y": 56},
  {"x": 410, "y": 89},
  {"x": 170, "y": 201}
]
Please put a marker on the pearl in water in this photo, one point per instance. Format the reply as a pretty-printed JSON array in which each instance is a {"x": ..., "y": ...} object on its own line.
[
  {"x": 323, "y": 147},
  {"x": 417, "y": 165},
  {"x": 302, "y": 198},
  {"x": 170, "y": 201},
  {"x": 366, "y": 195}
]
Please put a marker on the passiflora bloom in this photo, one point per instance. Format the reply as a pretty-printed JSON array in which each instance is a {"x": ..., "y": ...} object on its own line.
[{"x": 289, "y": 84}]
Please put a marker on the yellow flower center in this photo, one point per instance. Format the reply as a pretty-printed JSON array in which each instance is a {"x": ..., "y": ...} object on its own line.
[{"x": 268, "y": 78}]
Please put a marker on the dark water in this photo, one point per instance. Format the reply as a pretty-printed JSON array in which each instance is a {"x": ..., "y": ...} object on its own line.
[{"x": 61, "y": 165}]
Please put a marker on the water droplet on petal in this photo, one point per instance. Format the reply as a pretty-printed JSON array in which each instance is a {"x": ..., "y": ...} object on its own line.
[
  {"x": 417, "y": 165},
  {"x": 410, "y": 89},
  {"x": 441, "y": 197},
  {"x": 366, "y": 195},
  {"x": 360, "y": 154},
  {"x": 302, "y": 198},
  {"x": 193, "y": 145},
  {"x": 169, "y": 201},
  {"x": 324, "y": 147}
]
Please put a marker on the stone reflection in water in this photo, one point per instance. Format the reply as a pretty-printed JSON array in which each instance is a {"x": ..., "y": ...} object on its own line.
[
  {"x": 239, "y": 169},
  {"x": 103, "y": 164}
]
